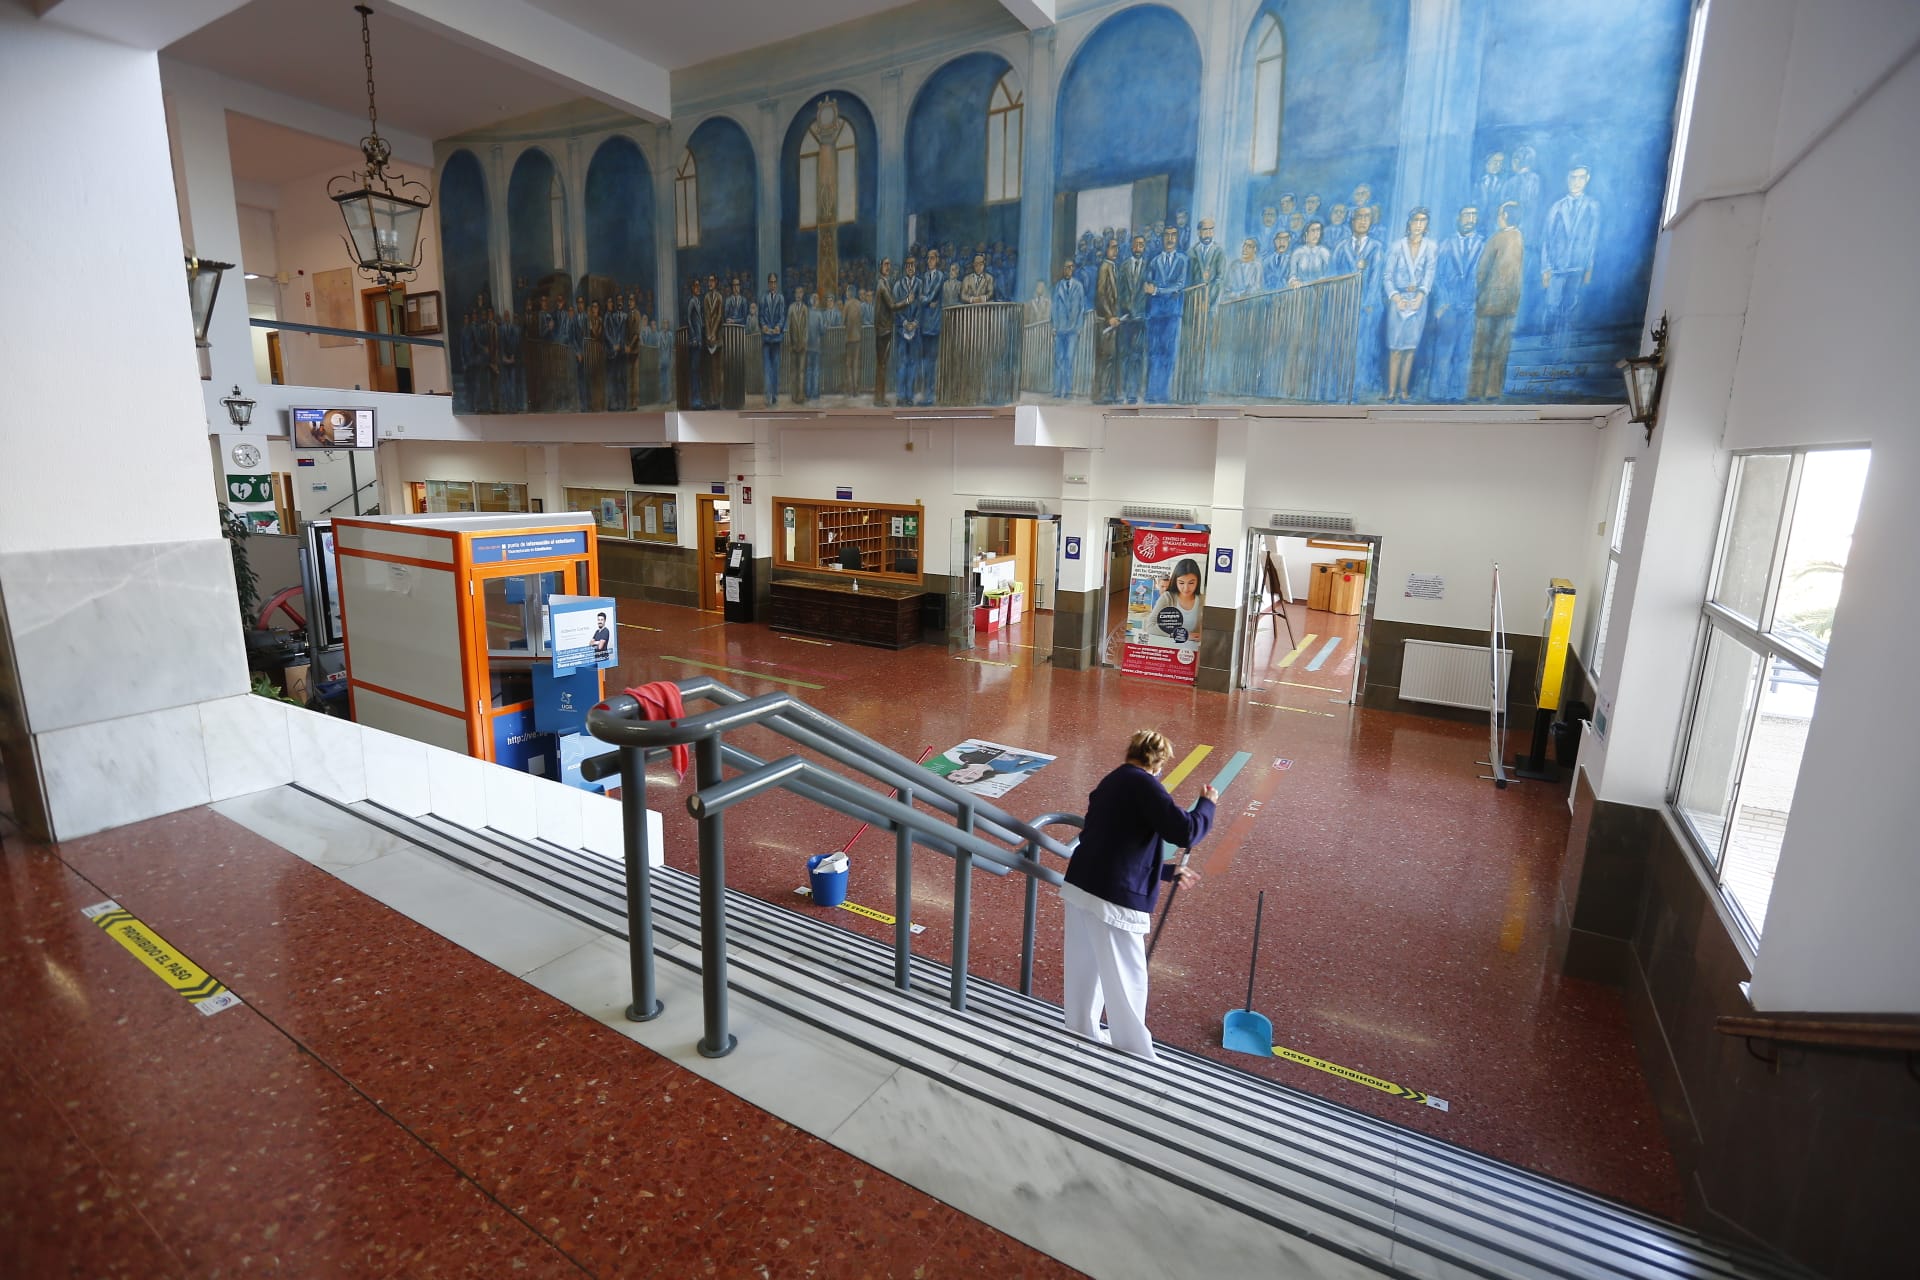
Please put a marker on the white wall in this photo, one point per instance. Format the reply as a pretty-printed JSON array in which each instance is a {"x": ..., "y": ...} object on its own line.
[
  {"x": 68, "y": 416},
  {"x": 1825, "y": 357},
  {"x": 1804, "y": 118},
  {"x": 308, "y": 239},
  {"x": 1447, "y": 498}
]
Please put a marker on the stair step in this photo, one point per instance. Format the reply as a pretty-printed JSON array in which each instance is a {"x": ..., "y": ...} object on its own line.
[{"x": 1390, "y": 1197}]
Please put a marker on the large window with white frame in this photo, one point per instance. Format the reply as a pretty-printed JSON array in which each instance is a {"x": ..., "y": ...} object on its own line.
[
  {"x": 1598, "y": 649},
  {"x": 1784, "y": 538}
]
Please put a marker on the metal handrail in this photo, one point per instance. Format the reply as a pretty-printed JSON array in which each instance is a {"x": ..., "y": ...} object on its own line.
[{"x": 972, "y": 836}]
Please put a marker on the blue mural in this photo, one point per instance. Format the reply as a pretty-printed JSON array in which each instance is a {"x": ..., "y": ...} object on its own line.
[{"x": 1405, "y": 201}]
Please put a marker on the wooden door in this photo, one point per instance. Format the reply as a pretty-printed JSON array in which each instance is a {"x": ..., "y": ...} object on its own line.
[
  {"x": 715, "y": 526},
  {"x": 389, "y": 364}
]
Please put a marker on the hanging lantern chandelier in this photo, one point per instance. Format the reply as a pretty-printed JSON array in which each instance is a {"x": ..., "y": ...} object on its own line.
[{"x": 382, "y": 212}]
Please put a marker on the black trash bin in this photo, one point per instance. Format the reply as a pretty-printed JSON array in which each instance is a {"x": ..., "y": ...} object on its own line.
[
  {"x": 1566, "y": 734},
  {"x": 737, "y": 583}
]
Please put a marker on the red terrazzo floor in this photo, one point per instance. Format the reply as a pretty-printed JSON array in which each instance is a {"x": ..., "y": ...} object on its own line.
[
  {"x": 1408, "y": 903},
  {"x": 383, "y": 1104}
]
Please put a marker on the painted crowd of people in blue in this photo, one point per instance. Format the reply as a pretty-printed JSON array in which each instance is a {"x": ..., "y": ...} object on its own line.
[{"x": 1432, "y": 313}]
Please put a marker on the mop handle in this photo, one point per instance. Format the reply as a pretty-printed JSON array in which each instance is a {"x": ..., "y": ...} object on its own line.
[
  {"x": 848, "y": 846},
  {"x": 1258, "y": 908},
  {"x": 1172, "y": 893}
]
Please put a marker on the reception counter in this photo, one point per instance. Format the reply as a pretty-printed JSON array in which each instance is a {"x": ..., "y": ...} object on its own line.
[{"x": 886, "y": 614}]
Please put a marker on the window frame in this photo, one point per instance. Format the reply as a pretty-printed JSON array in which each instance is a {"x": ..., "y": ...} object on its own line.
[
  {"x": 1758, "y": 638},
  {"x": 1265, "y": 134},
  {"x": 1623, "y": 494},
  {"x": 1010, "y": 120},
  {"x": 686, "y": 201}
]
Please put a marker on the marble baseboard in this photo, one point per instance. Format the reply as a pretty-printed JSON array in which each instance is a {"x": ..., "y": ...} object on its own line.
[
  {"x": 396, "y": 772},
  {"x": 247, "y": 743},
  {"x": 112, "y": 772},
  {"x": 103, "y": 633}
]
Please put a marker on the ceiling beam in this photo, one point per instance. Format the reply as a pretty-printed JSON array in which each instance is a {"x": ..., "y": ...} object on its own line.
[
  {"x": 537, "y": 42},
  {"x": 142, "y": 24},
  {"x": 1033, "y": 14}
]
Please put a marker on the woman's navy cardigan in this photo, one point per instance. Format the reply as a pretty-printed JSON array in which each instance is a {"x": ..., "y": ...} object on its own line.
[{"x": 1128, "y": 815}]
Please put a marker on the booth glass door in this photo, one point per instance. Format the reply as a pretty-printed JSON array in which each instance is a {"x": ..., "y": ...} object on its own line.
[{"x": 508, "y": 640}]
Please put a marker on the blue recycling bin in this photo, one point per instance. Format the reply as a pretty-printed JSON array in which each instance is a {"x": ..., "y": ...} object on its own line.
[{"x": 829, "y": 888}]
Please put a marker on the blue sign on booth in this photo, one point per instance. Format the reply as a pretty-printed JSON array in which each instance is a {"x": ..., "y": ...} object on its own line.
[
  {"x": 530, "y": 546},
  {"x": 561, "y": 702}
]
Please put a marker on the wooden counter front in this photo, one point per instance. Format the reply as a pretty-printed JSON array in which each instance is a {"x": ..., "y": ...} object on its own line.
[{"x": 886, "y": 614}]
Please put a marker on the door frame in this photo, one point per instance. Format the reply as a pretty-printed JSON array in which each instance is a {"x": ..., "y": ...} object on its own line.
[
  {"x": 1363, "y": 641},
  {"x": 706, "y": 524}
]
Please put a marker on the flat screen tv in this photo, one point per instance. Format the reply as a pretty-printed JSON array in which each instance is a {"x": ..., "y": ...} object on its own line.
[
  {"x": 656, "y": 466},
  {"x": 332, "y": 428}
]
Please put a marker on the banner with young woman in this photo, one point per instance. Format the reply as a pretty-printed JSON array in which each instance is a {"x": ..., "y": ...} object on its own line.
[{"x": 1164, "y": 603}]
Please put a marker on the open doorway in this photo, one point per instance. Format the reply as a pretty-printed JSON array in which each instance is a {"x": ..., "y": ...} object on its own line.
[
  {"x": 714, "y": 525},
  {"x": 1308, "y": 613},
  {"x": 1007, "y": 590},
  {"x": 389, "y": 364}
]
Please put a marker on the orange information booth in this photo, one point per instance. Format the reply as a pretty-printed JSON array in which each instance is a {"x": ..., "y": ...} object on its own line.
[{"x": 445, "y": 620}]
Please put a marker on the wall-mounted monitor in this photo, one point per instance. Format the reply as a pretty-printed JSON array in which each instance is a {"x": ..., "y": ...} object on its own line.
[
  {"x": 656, "y": 466},
  {"x": 332, "y": 428}
]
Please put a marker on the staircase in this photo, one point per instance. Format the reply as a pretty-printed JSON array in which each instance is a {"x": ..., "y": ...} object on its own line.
[{"x": 1270, "y": 1181}]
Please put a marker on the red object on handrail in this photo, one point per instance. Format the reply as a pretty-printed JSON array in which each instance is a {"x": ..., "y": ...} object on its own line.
[
  {"x": 848, "y": 846},
  {"x": 661, "y": 701}
]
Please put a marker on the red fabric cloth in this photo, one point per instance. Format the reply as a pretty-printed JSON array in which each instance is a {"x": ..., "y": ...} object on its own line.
[{"x": 661, "y": 701}]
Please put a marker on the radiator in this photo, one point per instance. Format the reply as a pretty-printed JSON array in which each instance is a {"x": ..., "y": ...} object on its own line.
[{"x": 1453, "y": 675}]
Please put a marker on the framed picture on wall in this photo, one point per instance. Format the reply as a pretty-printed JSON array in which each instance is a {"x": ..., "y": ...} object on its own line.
[{"x": 423, "y": 313}]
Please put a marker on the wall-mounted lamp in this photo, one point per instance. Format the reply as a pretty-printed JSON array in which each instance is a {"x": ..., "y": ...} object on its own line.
[
  {"x": 239, "y": 408},
  {"x": 203, "y": 286},
  {"x": 1645, "y": 376}
]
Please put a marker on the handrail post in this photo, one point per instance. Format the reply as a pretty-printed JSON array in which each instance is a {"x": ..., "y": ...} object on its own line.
[
  {"x": 646, "y": 1005},
  {"x": 903, "y": 899},
  {"x": 716, "y": 1043},
  {"x": 1028, "y": 920},
  {"x": 962, "y": 915}
]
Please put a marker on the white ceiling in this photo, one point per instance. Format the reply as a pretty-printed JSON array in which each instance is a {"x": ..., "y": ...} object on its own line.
[
  {"x": 427, "y": 85},
  {"x": 435, "y": 87},
  {"x": 685, "y": 34}
]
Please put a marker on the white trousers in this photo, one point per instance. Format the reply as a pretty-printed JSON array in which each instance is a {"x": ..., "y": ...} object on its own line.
[{"x": 1106, "y": 966}]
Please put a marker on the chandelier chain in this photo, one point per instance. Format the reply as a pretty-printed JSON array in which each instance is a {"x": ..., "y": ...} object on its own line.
[{"x": 366, "y": 49}]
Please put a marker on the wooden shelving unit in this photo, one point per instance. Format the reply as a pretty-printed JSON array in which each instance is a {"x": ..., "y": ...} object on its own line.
[{"x": 822, "y": 529}]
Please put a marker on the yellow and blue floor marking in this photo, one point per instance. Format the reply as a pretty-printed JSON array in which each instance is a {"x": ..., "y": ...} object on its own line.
[
  {"x": 1319, "y": 659},
  {"x": 1299, "y": 649},
  {"x": 1221, "y": 781}
]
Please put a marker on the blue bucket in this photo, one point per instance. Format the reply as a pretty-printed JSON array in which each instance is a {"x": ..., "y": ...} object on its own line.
[{"x": 829, "y": 888}]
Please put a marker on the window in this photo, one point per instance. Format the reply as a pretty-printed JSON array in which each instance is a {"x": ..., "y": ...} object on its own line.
[
  {"x": 557, "y": 221},
  {"x": 1683, "y": 116},
  {"x": 1269, "y": 60},
  {"x": 628, "y": 513},
  {"x": 829, "y": 131},
  {"x": 686, "y": 202},
  {"x": 1005, "y": 141},
  {"x": 1599, "y": 646},
  {"x": 450, "y": 495},
  {"x": 1784, "y": 538}
]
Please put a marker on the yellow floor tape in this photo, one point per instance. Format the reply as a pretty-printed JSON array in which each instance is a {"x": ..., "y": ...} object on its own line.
[
  {"x": 200, "y": 988},
  {"x": 869, "y": 912},
  {"x": 1359, "y": 1077}
]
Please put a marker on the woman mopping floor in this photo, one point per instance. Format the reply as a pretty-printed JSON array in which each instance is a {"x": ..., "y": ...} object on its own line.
[{"x": 1111, "y": 886}]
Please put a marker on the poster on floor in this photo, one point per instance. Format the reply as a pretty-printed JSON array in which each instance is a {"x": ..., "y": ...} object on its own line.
[
  {"x": 1164, "y": 603},
  {"x": 989, "y": 769}
]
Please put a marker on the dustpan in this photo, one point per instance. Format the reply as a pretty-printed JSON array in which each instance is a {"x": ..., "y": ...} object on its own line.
[{"x": 1243, "y": 1030}]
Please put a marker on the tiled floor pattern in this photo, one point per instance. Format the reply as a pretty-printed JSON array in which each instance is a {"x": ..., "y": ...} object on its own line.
[
  {"x": 385, "y": 1103},
  {"x": 388, "y": 1104},
  {"x": 1408, "y": 904}
]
